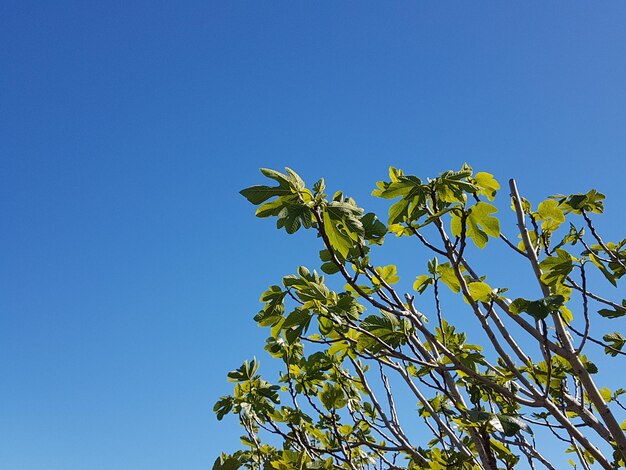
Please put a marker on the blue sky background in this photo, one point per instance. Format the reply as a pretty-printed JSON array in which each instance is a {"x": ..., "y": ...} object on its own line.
[{"x": 130, "y": 266}]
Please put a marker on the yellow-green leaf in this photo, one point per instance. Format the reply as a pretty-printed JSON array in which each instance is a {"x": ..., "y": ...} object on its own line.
[
  {"x": 566, "y": 314},
  {"x": 422, "y": 282},
  {"x": 448, "y": 277},
  {"x": 479, "y": 223},
  {"x": 607, "y": 395},
  {"x": 388, "y": 274},
  {"x": 550, "y": 214},
  {"x": 480, "y": 291},
  {"x": 488, "y": 184},
  {"x": 338, "y": 240}
]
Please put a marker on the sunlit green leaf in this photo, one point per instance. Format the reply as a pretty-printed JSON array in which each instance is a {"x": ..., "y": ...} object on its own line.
[
  {"x": 422, "y": 282},
  {"x": 550, "y": 214},
  {"x": 487, "y": 184},
  {"x": 448, "y": 277},
  {"x": 338, "y": 239},
  {"x": 479, "y": 224},
  {"x": 480, "y": 291},
  {"x": 388, "y": 274}
]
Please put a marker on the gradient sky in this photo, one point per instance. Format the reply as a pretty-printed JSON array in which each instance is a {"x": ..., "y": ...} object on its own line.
[{"x": 130, "y": 268}]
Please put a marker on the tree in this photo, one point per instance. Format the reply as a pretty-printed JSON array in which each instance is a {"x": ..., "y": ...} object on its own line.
[{"x": 356, "y": 360}]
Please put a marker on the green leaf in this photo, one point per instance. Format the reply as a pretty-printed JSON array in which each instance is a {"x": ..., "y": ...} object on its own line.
[
  {"x": 616, "y": 342},
  {"x": 566, "y": 314},
  {"x": 338, "y": 240},
  {"x": 451, "y": 186},
  {"x": 245, "y": 440},
  {"x": 387, "y": 273},
  {"x": 511, "y": 425},
  {"x": 551, "y": 214},
  {"x": 538, "y": 309},
  {"x": 274, "y": 307},
  {"x": 338, "y": 347},
  {"x": 327, "y": 464},
  {"x": 269, "y": 209},
  {"x": 330, "y": 268},
  {"x": 349, "y": 215},
  {"x": 518, "y": 306},
  {"x": 400, "y": 230},
  {"x": 385, "y": 327},
  {"x": 495, "y": 424},
  {"x": 259, "y": 194},
  {"x": 299, "y": 317},
  {"x": 480, "y": 291},
  {"x": 448, "y": 277},
  {"x": 556, "y": 268},
  {"x": 606, "y": 394},
  {"x": 590, "y": 366},
  {"x": 503, "y": 453},
  {"x": 319, "y": 186},
  {"x": 590, "y": 202},
  {"x": 246, "y": 372},
  {"x": 398, "y": 211},
  {"x": 223, "y": 406},
  {"x": 477, "y": 415},
  {"x": 615, "y": 313},
  {"x": 605, "y": 272},
  {"x": 291, "y": 203},
  {"x": 226, "y": 462},
  {"x": 487, "y": 184},
  {"x": 373, "y": 228},
  {"x": 398, "y": 187},
  {"x": 573, "y": 236},
  {"x": 293, "y": 216},
  {"x": 332, "y": 396},
  {"x": 325, "y": 255},
  {"x": 411, "y": 191},
  {"x": 479, "y": 223},
  {"x": 294, "y": 179},
  {"x": 422, "y": 282},
  {"x": 283, "y": 180}
]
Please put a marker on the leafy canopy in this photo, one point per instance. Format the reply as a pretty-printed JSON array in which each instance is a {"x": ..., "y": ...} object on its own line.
[{"x": 376, "y": 377}]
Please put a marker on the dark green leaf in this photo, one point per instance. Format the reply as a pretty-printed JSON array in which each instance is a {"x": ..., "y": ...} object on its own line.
[
  {"x": 614, "y": 313},
  {"x": 373, "y": 228},
  {"x": 538, "y": 309},
  {"x": 223, "y": 407},
  {"x": 616, "y": 342},
  {"x": 247, "y": 371},
  {"x": 511, "y": 425},
  {"x": 226, "y": 462},
  {"x": 330, "y": 268},
  {"x": 590, "y": 202},
  {"x": 259, "y": 194}
]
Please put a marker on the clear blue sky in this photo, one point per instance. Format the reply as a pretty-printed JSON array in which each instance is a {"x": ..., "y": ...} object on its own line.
[{"x": 130, "y": 267}]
